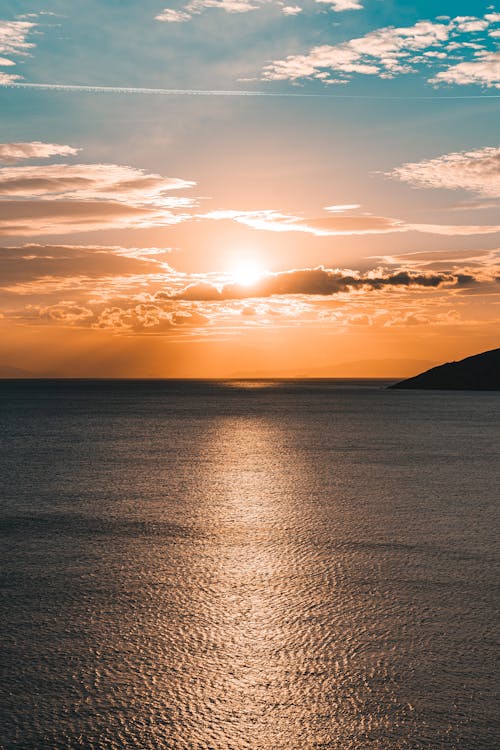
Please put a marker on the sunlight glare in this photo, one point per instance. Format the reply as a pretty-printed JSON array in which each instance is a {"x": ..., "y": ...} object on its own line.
[{"x": 246, "y": 273}]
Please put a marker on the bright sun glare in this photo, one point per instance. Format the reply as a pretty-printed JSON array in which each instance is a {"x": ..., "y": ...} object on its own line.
[{"x": 246, "y": 273}]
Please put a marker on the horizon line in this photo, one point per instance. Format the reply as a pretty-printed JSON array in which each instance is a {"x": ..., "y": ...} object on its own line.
[{"x": 213, "y": 379}]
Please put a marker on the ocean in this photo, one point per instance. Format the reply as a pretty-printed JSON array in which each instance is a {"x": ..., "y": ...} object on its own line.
[{"x": 251, "y": 565}]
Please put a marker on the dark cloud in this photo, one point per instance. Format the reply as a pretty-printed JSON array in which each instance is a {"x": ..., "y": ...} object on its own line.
[
  {"x": 465, "y": 279},
  {"x": 310, "y": 281}
]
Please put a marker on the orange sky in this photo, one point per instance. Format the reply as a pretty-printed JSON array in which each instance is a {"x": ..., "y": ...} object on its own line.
[{"x": 346, "y": 223}]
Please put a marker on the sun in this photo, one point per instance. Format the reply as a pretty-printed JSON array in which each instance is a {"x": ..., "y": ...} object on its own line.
[{"x": 246, "y": 272}]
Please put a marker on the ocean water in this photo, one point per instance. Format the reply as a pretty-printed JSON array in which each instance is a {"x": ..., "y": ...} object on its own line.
[{"x": 248, "y": 566}]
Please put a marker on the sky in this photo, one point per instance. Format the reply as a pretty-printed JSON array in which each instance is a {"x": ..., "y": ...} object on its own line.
[{"x": 248, "y": 188}]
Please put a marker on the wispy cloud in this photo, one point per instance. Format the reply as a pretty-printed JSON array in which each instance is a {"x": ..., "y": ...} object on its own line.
[
  {"x": 339, "y": 224},
  {"x": 291, "y": 10},
  {"x": 341, "y": 5},
  {"x": 62, "y": 198},
  {"x": 87, "y": 181},
  {"x": 169, "y": 15},
  {"x": 21, "y": 266},
  {"x": 13, "y": 42},
  {"x": 446, "y": 259},
  {"x": 196, "y": 7},
  {"x": 13, "y": 152},
  {"x": 476, "y": 171},
  {"x": 275, "y": 221}
]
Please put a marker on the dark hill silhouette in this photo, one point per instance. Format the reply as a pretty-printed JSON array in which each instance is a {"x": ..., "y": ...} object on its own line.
[{"x": 478, "y": 373}]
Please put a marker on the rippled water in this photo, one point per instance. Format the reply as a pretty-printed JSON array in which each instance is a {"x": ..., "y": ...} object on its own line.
[{"x": 248, "y": 566}]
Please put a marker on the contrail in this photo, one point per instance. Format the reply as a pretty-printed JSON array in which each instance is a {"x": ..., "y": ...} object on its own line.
[{"x": 70, "y": 87}]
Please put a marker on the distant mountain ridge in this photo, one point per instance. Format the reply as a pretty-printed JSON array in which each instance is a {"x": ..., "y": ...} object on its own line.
[
  {"x": 6, "y": 371},
  {"x": 480, "y": 372}
]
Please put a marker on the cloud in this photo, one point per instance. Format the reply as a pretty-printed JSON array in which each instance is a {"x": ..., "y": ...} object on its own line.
[
  {"x": 13, "y": 42},
  {"x": 471, "y": 23},
  {"x": 196, "y": 7},
  {"x": 12, "y": 152},
  {"x": 340, "y": 5},
  {"x": 476, "y": 171},
  {"x": 66, "y": 312},
  {"x": 340, "y": 225},
  {"x": 149, "y": 317},
  {"x": 60, "y": 198},
  {"x": 291, "y": 10},
  {"x": 458, "y": 230},
  {"x": 311, "y": 281},
  {"x": 391, "y": 51},
  {"x": 133, "y": 291},
  {"x": 45, "y": 217},
  {"x": 63, "y": 198},
  {"x": 229, "y": 6},
  {"x": 342, "y": 208},
  {"x": 169, "y": 15},
  {"x": 90, "y": 181},
  {"x": 382, "y": 52},
  {"x": 484, "y": 70},
  {"x": 127, "y": 317},
  {"x": 34, "y": 262},
  {"x": 445, "y": 259},
  {"x": 274, "y": 221}
]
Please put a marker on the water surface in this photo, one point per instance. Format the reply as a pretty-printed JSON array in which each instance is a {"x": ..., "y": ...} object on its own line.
[{"x": 248, "y": 565}]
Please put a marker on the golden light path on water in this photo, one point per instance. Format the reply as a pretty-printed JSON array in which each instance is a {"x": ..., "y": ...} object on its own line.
[{"x": 270, "y": 666}]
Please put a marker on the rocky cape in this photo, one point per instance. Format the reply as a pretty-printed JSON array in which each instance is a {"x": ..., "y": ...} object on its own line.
[{"x": 478, "y": 373}]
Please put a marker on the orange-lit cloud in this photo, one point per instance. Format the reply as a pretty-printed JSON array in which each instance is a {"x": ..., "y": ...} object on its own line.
[
  {"x": 28, "y": 263},
  {"x": 62, "y": 198},
  {"x": 103, "y": 273},
  {"x": 32, "y": 218},
  {"x": 61, "y": 303},
  {"x": 90, "y": 181}
]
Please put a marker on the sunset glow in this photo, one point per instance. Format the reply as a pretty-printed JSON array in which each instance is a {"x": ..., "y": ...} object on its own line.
[{"x": 324, "y": 202}]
